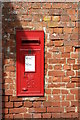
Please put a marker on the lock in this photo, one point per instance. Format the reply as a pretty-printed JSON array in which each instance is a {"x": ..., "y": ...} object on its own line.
[
  {"x": 29, "y": 51},
  {"x": 30, "y": 63}
]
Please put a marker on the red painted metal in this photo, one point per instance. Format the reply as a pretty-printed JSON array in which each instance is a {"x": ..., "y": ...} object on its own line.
[{"x": 30, "y": 45}]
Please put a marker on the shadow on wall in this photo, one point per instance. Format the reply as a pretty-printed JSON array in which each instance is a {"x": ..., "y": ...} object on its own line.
[
  {"x": 11, "y": 20},
  {"x": 79, "y": 57},
  {"x": 14, "y": 17}
]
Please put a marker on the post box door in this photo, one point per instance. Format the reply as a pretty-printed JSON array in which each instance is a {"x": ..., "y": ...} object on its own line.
[
  {"x": 30, "y": 72},
  {"x": 30, "y": 75}
]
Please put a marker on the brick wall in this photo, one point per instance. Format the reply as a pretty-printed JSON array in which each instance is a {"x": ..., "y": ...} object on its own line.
[{"x": 60, "y": 23}]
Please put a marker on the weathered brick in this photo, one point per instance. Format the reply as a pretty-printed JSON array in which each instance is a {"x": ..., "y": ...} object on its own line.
[
  {"x": 38, "y": 115},
  {"x": 57, "y": 30},
  {"x": 36, "y": 104},
  {"x": 9, "y": 104},
  {"x": 70, "y": 97},
  {"x": 55, "y": 109},
  {"x": 18, "y": 104},
  {"x": 66, "y": 103},
  {"x": 56, "y": 73},
  {"x": 37, "y": 110},
  {"x": 18, "y": 116},
  {"x": 18, "y": 110},
  {"x": 56, "y": 91},
  {"x": 27, "y": 104},
  {"x": 8, "y": 92},
  {"x": 55, "y": 18},
  {"x": 46, "y": 5},
  {"x": 58, "y": 43},
  {"x": 36, "y": 5},
  {"x": 47, "y": 18},
  {"x": 27, "y": 115},
  {"x": 46, "y": 115},
  {"x": 67, "y": 30},
  {"x": 71, "y": 11}
]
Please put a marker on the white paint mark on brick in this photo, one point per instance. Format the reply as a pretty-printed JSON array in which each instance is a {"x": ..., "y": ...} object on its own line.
[
  {"x": 75, "y": 109},
  {"x": 44, "y": 28}
]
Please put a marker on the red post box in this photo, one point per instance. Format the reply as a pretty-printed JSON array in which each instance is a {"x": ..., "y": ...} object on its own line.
[{"x": 30, "y": 63}]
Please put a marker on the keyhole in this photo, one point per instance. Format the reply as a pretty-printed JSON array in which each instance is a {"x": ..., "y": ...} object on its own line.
[{"x": 29, "y": 51}]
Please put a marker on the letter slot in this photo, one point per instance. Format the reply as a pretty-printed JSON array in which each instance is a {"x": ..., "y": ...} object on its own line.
[{"x": 30, "y": 42}]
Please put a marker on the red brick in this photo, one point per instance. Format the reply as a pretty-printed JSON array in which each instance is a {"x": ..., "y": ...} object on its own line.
[
  {"x": 64, "y": 91},
  {"x": 8, "y": 80},
  {"x": 70, "y": 85},
  {"x": 58, "y": 43},
  {"x": 49, "y": 104},
  {"x": 70, "y": 109},
  {"x": 56, "y": 115},
  {"x": 46, "y": 115},
  {"x": 74, "y": 91},
  {"x": 74, "y": 103},
  {"x": 36, "y": 115},
  {"x": 56, "y": 12},
  {"x": 57, "y": 67},
  {"x": 36, "y": 5},
  {"x": 56, "y": 79},
  {"x": 54, "y": 85},
  {"x": 27, "y": 115},
  {"x": 9, "y": 116},
  {"x": 18, "y": 116},
  {"x": 70, "y": 115},
  {"x": 9, "y": 104},
  {"x": 47, "y": 18},
  {"x": 5, "y": 111},
  {"x": 75, "y": 79},
  {"x": 71, "y": 11},
  {"x": 18, "y": 110},
  {"x": 56, "y": 61},
  {"x": 65, "y": 103},
  {"x": 4, "y": 98},
  {"x": 65, "y": 18},
  {"x": 46, "y": 5},
  {"x": 57, "y": 5},
  {"x": 48, "y": 91},
  {"x": 56, "y": 73},
  {"x": 56, "y": 19},
  {"x": 74, "y": 55},
  {"x": 70, "y": 73},
  {"x": 6, "y": 61},
  {"x": 56, "y": 91},
  {"x": 75, "y": 30},
  {"x": 41, "y": 99},
  {"x": 15, "y": 98},
  {"x": 8, "y": 92},
  {"x": 55, "y": 109},
  {"x": 27, "y": 104},
  {"x": 74, "y": 36},
  {"x": 18, "y": 104},
  {"x": 65, "y": 55},
  {"x": 57, "y": 30},
  {"x": 54, "y": 97},
  {"x": 68, "y": 49},
  {"x": 76, "y": 67},
  {"x": 70, "y": 61},
  {"x": 36, "y": 104},
  {"x": 67, "y": 67},
  {"x": 67, "y": 30},
  {"x": 37, "y": 110},
  {"x": 70, "y": 97}
]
